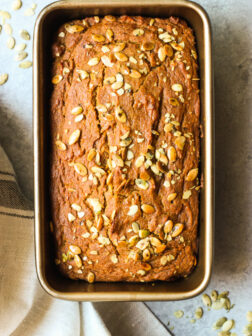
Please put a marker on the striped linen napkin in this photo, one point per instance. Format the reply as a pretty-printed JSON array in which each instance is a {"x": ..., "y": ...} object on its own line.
[{"x": 25, "y": 309}]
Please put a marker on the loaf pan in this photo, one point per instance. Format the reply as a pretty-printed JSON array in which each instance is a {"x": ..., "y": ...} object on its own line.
[{"x": 51, "y": 280}]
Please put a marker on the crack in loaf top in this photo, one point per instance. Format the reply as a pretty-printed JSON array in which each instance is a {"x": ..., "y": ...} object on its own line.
[{"x": 125, "y": 148}]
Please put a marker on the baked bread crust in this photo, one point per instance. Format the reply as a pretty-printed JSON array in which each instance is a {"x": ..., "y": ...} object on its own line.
[{"x": 125, "y": 149}]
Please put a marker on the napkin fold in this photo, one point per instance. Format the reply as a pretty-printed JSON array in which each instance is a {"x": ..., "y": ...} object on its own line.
[{"x": 26, "y": 309}]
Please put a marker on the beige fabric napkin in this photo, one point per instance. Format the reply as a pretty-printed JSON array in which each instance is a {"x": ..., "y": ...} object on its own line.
[{"x": 25, "y": 309}]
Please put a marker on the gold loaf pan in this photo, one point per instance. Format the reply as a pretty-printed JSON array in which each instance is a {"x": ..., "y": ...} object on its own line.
[{"x": 51, "y": 280}]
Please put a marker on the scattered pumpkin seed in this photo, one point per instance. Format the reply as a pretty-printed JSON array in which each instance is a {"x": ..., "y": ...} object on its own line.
[
  {"x": 21, "y": 56},
  {"x": 25, "y": 64},
  {"x": 198, "y": 313},
  {"x": 206, "y": 300},
  {"x": 3, "y": 78},
  {"x": 228, "y": 325},
  {"x": 223, "y": 295},
  {"x": 249, "y": 316},
  {"x": 248, "y": 329},
  {"x": 25, "y": 35},
  {"x": 223, "y": 333},
  {"x": 29, "y": 12},
  {"x": 5, "y": 15},
  {"x": 17, "y": 4},
  {"x": 227, "y": 303},
  {"x": 219, "y": 323},
  {"x": 179, "y": 314},
  {"x": 214, "y": 294},
  {"x": 217, "y": 305},
  {"x": 11, "y": 42},
  {"x": 20, "y": 47},
  {"x": 7, "y": 28}
]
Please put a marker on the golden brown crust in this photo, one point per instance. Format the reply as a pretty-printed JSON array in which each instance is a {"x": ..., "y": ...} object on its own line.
[{"x": 125, "y": 149}]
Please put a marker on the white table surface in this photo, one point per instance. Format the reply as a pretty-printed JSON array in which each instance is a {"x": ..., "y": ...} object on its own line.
[{"x": 232, "y": 36}]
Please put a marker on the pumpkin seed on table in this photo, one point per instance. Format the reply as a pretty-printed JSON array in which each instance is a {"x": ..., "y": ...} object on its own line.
[
  {"x": 20, "y": 47},
  {"x": 179, "y": 314},
  {"x": 16, "y": 4},
  {"x": 214, "y": 294},
  {"x": 7, "y": 28},
  {"x": 11, "y": 42},
  {"x": 29, "y": 12},
  {"x": 5, "y": 15},
  {"x": 217, "y": 305},
  {"x": 223, "y": 333},
  {"x": 219, "y": 323},
  {"x": 3, "y": 78},
  {"x": 198, "y": 313},
  {"x": 249, "y": 316},
  {"x": 228, "y": 325},
  {"x": 206, "y": 300},
  {"x": 248, "y": 330},
  {"x": 25, "y": 64},
  {"x": 25, "y": 35},
  {"x": 223, "y": 295},
  {"x": 21, "y": 56}
]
